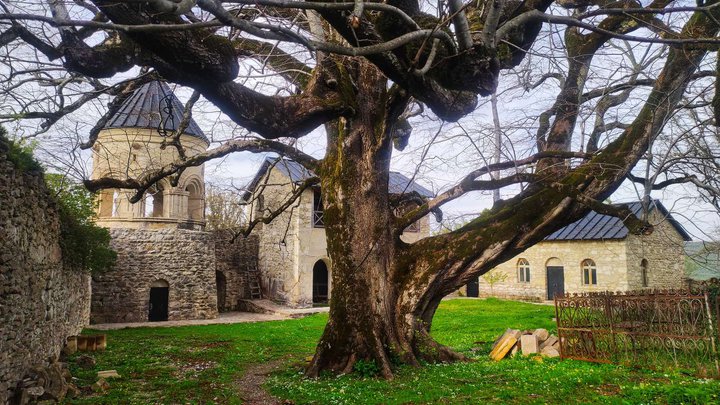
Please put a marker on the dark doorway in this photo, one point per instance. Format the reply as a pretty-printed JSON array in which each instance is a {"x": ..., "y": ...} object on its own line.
[
  {"x": 473, "y": 289},
  {"x": 555, "y": 281},
  {"x": 220, "y": 283},
  {"x": 159, "y": 304},
  {"x": 320, "y": 283}
]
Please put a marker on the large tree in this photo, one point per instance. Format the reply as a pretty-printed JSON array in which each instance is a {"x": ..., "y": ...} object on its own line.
[{"x": 360, "y": 70}]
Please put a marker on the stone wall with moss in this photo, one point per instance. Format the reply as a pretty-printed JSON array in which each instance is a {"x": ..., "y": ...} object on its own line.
[
  {"x": 41, "y": 302},
  {"x": 185, "y": 259}
]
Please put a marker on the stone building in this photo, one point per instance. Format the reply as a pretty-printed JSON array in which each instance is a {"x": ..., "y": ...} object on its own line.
[
  {"x": 166, "y": 267},
  {"x": 595, "y": 253},
  {"x": 294, "y": 266}
]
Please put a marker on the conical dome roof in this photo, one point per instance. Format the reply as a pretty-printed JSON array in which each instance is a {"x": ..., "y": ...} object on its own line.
[{"x": 153, "y": 106}]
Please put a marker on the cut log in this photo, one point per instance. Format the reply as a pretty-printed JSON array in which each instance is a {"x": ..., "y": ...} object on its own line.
[
  {"x": 82, "y": 343},
  {"x": 100, "y": 342},
  {"x": 71, "y": 345}
]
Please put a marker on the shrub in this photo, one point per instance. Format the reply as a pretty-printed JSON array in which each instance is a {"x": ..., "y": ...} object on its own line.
[
  {"x": 84, "y": 245},
  {"x": 19, "y": 154}
]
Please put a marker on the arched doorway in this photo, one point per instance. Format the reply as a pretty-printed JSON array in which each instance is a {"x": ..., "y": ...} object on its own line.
[
  {"x": 159, "y": 297},
  {"x": 555, "y": 278},
  {"x": 473, "y": 288},
  {"x": 221, "y": 284},
  {"x": 320, "y": 283}
]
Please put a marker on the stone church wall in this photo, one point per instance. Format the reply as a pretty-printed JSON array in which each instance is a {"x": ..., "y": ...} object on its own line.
[
  {"x": 41, "y": 302},
  {"x": 609, "y": 257},
  {"x": 664, "y": 251},
  {"x": 235, "y": 261},
  {"x": 185, "y": 259}
]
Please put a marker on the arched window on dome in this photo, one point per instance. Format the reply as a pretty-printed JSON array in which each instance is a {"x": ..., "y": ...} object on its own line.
[
  {"x": 106, "y": 204},
  {"x": 196, "y": 203},
  {"x": 115, "y": 204},
  {"x": 153, "y": 202}
]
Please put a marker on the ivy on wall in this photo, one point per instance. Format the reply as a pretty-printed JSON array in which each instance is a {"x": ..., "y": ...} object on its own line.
[{"x": 84, "y": 245}]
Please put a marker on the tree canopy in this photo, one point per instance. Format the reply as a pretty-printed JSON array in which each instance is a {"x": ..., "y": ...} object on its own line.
[{"x": 367, "y": 73}]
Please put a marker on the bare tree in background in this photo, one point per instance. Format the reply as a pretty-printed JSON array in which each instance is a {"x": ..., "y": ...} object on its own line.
[
  {"x": 357, "y": 69},
  {"x": 225, "y": 209}
]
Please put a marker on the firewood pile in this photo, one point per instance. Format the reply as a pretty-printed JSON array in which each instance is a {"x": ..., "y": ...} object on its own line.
[{"x": 527, "y": 342}]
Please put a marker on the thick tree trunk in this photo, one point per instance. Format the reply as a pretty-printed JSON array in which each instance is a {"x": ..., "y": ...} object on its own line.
[{"x": 371, "y": 318}]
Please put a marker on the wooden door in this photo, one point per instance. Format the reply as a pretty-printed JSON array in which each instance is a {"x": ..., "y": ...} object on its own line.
[
  {"x": 473, "y": 289},
  {"x": 555, "y": 281}
]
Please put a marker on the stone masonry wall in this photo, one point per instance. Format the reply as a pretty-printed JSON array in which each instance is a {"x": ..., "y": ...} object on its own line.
[
  {"x": 234, "y": 261},
  {"x": 185, "y": 259},
  {"x": 41, "y": 302},
  {"x": 609, "y": 257},
  {"x": 277, "y": 257},
  {"x": 665, "y": 254}
]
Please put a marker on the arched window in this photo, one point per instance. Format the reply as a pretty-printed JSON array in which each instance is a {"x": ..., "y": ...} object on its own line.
[
  {"x": 154, "y": 202},
  {"x": 105, "y": 208},
  {"x": 644, "y": 272},
  {"x": 523, "y": 267},
  {"x": 149, "y": 205},
  {"x": 589, "y": 272},
  {"x": 115, "y": 203},
  {"x": 196, "y": 209}
]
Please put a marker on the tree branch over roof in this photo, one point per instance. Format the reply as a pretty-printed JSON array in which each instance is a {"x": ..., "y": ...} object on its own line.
[{"x": 251, "y": 145}]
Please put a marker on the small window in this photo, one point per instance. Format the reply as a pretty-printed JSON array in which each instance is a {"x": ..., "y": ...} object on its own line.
[
  {"x": 644, "y": 272},
  {"x": 318, "y": 218},
  {"x": 589, "y": 272},
  {"x": 523, "y": 271}
]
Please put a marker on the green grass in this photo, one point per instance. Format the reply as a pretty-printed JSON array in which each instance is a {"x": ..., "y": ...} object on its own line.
[{"x": 201, "y": 364}]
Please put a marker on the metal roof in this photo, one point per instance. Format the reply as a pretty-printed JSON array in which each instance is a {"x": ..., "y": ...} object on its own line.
[
  {"x": 594, "y": 226},
  {"x": 397, "y": 184},
  {"x": 154, "y": 106}
]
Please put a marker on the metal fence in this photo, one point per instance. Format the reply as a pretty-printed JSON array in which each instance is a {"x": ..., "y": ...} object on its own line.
[{"x": 650, "y": 329}]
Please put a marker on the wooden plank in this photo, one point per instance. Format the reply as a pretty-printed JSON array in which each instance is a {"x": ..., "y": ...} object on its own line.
[{"x": 503, "y": 348}]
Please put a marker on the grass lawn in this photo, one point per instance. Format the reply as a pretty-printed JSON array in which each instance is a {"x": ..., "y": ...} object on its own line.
[{"x": 201, "y": 364}]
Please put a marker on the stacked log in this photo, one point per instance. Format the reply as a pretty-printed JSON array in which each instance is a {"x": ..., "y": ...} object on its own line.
[
  {"x": 527, "y": 342},
  {"x": 84, "y": 343}
]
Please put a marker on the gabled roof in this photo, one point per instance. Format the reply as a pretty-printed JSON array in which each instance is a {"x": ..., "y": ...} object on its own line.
[
  {"x": 297, "y": 173},
  {"x": 594, "y": 226},
  {"x": 153, "y": 106}
]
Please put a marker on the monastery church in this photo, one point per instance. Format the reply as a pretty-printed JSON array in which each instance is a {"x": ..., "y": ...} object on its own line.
[{"x": 170, "y": 268}]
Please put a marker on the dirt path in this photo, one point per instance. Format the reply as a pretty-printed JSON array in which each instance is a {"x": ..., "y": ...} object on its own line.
[{"x": 250, "y": 385}]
